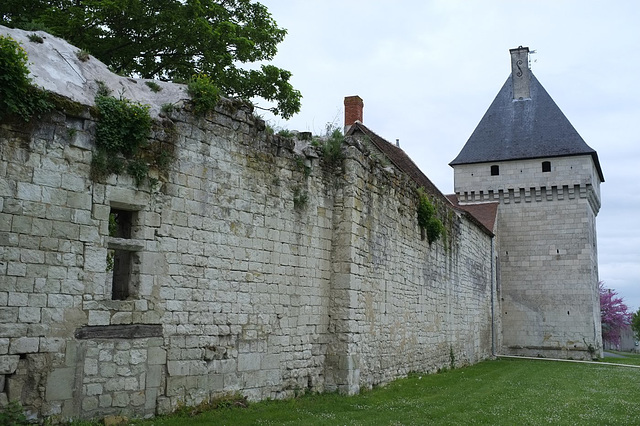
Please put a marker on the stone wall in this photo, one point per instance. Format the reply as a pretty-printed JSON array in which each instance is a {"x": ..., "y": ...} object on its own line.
[
  {"x": 404, "y": 305},
  {"x": 257, "y": 268},
  {"x": 548, "y": 252}
]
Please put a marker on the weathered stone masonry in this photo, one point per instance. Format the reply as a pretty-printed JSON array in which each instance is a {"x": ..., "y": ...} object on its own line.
[{"x": 235, "y": 288}]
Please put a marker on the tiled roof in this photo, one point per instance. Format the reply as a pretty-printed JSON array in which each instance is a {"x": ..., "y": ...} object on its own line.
[
  {"x": 523, "y": 129},
  {"x": 404, "y": 163},
  {"x": 399, "y": 159},
  {"x": 484, "y": 213}
]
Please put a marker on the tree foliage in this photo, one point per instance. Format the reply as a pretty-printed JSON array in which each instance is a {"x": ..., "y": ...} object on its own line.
[
  {"x": 613, "y": 313},
  {"x": 635, "y": 323},
  {"x": 171, "y": 40}
]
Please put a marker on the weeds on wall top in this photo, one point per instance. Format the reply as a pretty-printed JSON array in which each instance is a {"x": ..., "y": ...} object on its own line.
[
  {"x": 35, "y": 38},
  {"x": 153, "y": 86},
  {"x": 204, "y": 93},
  {"x": 83, "y": 55},
  {"x": 17, "y": 95},
  {"x": 122, "y": 132},
  {"x": 427, "y": 220},
  {"x": 330, "y": 145}
]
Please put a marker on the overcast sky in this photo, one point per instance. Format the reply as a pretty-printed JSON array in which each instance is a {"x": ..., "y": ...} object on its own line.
[{"x": 428, "y": 71}]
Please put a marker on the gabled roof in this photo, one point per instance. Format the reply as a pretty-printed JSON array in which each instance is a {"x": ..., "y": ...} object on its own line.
[
  {"x": 399, "y": 159},
  {"x": 523, "y": 129},
  {"x": 404, "y": 163},
  {"x": 485, "y": 213}
]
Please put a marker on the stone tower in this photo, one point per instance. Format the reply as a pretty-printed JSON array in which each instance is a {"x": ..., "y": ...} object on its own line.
[{"x": 525, "y": 155}]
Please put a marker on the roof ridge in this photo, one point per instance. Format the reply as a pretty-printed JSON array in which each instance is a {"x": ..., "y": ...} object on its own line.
[{"x": 399, "y": 159}]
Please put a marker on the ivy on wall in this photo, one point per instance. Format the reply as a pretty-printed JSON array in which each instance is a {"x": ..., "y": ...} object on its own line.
[
  {"x": 427, "y": 220},
  {"x": 122, "y": 131}
]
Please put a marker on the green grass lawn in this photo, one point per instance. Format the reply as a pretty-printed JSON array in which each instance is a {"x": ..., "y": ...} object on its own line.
[{"x": 498, "y": 392}]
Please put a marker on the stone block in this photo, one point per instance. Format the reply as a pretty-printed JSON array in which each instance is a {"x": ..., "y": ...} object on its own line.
[
  {"x": 73, "y": 183},
  {"x": 150, "y": 399},
  {"x": 79, "y": 200},
  {"x": 8, "y": 364},
  {"x": 23, "y": 345},
  {"x": 29, "y": 315},
  {"x": 121, "y": 399},
  {"x": 16, "y": 269},
  {"x": 176, "y": 386},
  {"x": 122, "y": 318},
  {"x": 60, "y": 384},
  {"x": 46, "y": 177},
  {"x": 4, "y": 346},
  {"x": 154, "y": 376},
  {"x": 28, "y": 191},
  {"x": 99, "y": 317},
  {"x": 90, "y": 367},
  {"x": 138, "y": 398},
  {"x": 90, "y": 403},
  {"x": 249, "y": 362},
  {"x": 178, "y": 368},
  {"x": 271, "y": 361},
  {"x": 94, "y": 389}
]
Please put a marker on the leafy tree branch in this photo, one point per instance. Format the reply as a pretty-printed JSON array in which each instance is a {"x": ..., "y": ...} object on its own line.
[{"x": 171, "y": 40}]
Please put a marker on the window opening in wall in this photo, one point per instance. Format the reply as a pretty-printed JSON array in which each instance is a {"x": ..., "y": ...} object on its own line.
[
  {"x": 121, "y": 253},
  {"x": 120, "y": 223},
  {"x": 121, "y": 277},
  {"x": 495, "y": 170},
  {"x": 546, "y": 166}
]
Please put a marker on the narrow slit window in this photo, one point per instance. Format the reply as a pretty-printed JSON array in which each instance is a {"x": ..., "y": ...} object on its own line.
[
  {"x": 121, "y": 279},
  {"x": 546, "y": 166},
  {"x": 495, "y": 170},
  {"x": 122, "y": 257}
]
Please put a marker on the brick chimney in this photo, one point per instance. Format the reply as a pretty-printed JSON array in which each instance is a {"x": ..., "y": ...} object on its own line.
[
  {"x": 353, "y": 106},
  {"x": 520, "y": 74}
]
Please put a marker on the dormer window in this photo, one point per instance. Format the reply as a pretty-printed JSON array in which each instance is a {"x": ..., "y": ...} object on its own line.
[
  {"x": 495, "y": 170},
  {"x": 546, "y": 166}
]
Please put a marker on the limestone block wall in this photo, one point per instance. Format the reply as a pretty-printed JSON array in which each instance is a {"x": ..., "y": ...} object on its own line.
[
  {"x": 547, "y": 251},
  {"x": 407, "y": 305},
  {"x": 549, "y": 276},
  {"x": 255, "y": 268}
]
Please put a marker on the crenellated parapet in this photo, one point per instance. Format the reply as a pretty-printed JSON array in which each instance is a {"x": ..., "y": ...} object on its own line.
[{"x": 534, "y": 194}]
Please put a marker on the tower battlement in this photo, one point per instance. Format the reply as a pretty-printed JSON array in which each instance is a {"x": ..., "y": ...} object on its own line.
[{"x": 533, "y": 194}]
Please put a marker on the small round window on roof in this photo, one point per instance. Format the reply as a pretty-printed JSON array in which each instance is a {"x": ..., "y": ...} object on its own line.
[
  {"x": 495, "y": 170},
  {"x": 546, "y": 166}
]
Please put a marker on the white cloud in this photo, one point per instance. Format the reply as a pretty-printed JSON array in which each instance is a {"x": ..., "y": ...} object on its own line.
[{"x": 428, "y": 71}]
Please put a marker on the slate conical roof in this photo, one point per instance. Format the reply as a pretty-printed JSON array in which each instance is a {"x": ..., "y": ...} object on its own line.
[{"x": 523, "y": 129}]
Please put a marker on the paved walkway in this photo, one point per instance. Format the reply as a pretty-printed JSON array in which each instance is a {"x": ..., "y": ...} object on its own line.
[{"x": 612, "y": 355}]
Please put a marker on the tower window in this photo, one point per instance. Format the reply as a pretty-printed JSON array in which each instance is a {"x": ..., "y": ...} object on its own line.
[
  {"x": 495, "y": 170},
  {"x": 546, "y": 166}
]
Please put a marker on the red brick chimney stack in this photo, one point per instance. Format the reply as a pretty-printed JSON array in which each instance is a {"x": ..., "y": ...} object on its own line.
[{"x": 353, "y": 106}]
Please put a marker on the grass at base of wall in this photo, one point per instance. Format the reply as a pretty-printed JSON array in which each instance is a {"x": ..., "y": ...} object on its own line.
[{"x": 499, "y": 392}]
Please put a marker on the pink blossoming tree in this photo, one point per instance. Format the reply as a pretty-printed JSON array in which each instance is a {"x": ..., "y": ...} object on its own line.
[{"x": 613, "y": 313}]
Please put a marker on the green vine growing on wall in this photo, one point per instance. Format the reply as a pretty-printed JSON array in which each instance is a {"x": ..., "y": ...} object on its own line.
[
  {"x": 122, "y": 139},
  {"x": 427, "y": 220},
  {"x": 17, "y": 95}
]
